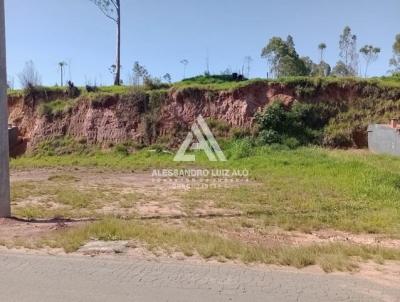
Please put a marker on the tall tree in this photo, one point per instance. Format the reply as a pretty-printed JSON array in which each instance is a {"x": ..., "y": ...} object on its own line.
[
  {"x": 370, "y": 54},
  {"x": 167, "y": 77},
  {"x": 312, "y": 68},
  {"x": 29, "y": 75},
  {"x": 112, "y": 10},
  {"x": 139, "y": 73},
  {"x": 322, "y": 47},
  {"x": 283, "y": 58},
  {"x": 247, "y": 61},
  {"x": 395, "y": 61},
  {"x": 290, "y": 45},
  {"x": 341, "y": 70},
  {"x": 348, "y": 50},
  {"x": 62, "y": 65}
]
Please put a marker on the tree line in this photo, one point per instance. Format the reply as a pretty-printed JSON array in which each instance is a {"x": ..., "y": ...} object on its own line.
[
  {"x": 282, "y": 55},
  {"x": 284, "y": 60}
]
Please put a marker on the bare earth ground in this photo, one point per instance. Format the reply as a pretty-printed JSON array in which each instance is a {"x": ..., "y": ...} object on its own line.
[
  {"x": 156, "y": 200},
  {"x": 137, "y": 195}
]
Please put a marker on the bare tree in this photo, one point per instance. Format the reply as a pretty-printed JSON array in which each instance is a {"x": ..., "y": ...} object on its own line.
[
  {"x": 140, "y": 73},
  {"x": 10, "y": 83},
  {"x": 29, "y": 76},
  {"x": 185, "y": 63},
  {"x": 348, "y": 50},
  {"x": 167, "y": 77},
  {"x": 113, "y": 70},
  {"x": 370, "y": 54},
  {"x": 112, "y": 10},
  {"x": 247, "y": 61},
  {"x": 62, "y": 65}
]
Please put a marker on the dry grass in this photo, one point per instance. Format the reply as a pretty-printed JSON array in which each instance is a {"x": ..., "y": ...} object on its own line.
[
  {"x": 304, "y": 190},
  {"x": 330, "y": 257},
  {"x": 63, "y": 196}
]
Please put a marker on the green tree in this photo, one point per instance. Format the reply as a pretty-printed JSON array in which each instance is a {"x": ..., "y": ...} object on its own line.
[
  {"x": 140, "y": 73},
  {"x": 301, "y": 123},
  {"x": 290, "y": 45},
  {"x": 370, "y": 54},
  {"x": 112, "y": 10},
  {"x": 283, "y": 58},
  {"x": 315, "y": 70},
  {"x": 395, "y": 61},
  {"x": 247, "y": 62},
  {"x": 322, "y": 47},
  {"x": 185, "y": 63},
  {"x": 348, "y": 50},
  {"x": 167, "y": 77},
  {"x": 324, "y": 69},
  {"x": 312, "y": 68},
  {"x": 342, "y": 70}
]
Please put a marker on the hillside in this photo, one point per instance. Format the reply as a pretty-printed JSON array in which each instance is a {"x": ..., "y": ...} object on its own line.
[{"x": 150, "y": 115}]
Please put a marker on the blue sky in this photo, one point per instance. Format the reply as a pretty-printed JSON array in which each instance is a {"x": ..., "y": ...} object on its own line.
[{"x": 160, "y": 33}]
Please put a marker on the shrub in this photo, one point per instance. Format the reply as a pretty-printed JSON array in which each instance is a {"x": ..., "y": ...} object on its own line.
[
  {"x": 72, "y": 91},
  {"x": 122, "y": 149},
  {"x": 241, "y": 149},
  {"x": 156, "y": 98},
  {"x": 215, "y": 79},
  {"x": 150, "y": 125},
  {"x": 338, "y": 138},
  {"x": 269, "y": 136},
  {"x": 57, "y": 108},
  {"x": 299, "y": 125},
  {"x": 90, "y": 88},
  {"x": 61, "y": 146},
  {"x": 45, "y": 110},
  {"x": 154, "y": 83},
  {"x": 291, "y": 142}
]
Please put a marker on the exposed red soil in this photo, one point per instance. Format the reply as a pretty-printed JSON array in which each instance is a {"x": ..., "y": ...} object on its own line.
[{"x": 118, "y": 118}]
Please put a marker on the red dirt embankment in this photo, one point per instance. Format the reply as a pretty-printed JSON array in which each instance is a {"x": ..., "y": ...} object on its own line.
[{"x": 108, "y": 119}]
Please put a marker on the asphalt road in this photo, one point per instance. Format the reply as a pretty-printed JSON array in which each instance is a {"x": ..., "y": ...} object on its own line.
[{"x": 61, "y": 278}]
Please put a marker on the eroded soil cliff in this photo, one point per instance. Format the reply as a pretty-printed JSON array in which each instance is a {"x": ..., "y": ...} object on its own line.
[{"x": 143, "y": 117}]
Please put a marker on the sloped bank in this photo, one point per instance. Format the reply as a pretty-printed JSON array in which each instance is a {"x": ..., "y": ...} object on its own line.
[{"x": 147, "y": 117}]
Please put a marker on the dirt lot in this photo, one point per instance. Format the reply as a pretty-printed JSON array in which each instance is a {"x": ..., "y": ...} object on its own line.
[{"x": 46, "y": 200}]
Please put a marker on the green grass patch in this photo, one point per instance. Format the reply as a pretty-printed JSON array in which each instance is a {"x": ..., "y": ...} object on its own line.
[
  {"x": 306, "y": 188},
  {"x": 329, "y": 256},
  {"x": 56, "y": 108}
]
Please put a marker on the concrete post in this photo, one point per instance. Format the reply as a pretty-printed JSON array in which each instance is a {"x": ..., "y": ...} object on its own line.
[{"x": 5, "y": 210}]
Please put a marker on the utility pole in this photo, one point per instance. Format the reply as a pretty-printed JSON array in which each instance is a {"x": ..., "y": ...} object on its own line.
[
  {"x": 117, "y": 80},
  {"x": 5, "y": 209}
]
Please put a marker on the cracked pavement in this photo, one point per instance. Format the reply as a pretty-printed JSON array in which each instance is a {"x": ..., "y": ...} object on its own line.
[{"x": 29, "y": 277}]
